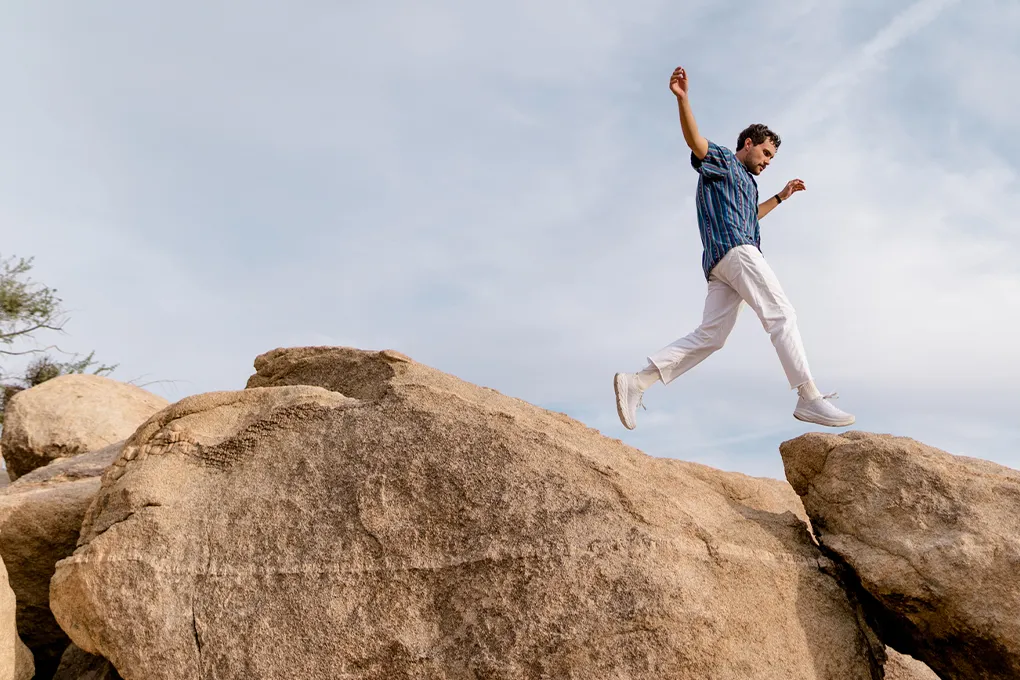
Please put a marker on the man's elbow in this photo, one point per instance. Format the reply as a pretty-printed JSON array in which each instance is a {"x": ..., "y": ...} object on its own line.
[{"x": 700, "y": 148}]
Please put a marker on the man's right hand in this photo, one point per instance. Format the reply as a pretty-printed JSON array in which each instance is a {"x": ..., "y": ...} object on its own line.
[
  {"x": 678, "y": 83},
  {"x": 678, "y": 86}
]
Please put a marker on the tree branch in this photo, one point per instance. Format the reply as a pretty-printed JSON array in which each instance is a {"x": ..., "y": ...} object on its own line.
[
  {"x": 43, "y": 326},
  {"x": 31, "y": 351}
]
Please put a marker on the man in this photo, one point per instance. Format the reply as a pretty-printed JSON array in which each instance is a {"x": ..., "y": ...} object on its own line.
[{"x": 728, "y": 214}]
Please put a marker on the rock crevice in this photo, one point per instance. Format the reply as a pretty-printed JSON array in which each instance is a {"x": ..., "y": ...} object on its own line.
[{"x": 951, "y": 602}]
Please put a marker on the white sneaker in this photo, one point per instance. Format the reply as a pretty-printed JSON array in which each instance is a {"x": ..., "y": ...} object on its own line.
[
  {"x": 629, "y": 396},
  {"x": 821, "y": 412}
]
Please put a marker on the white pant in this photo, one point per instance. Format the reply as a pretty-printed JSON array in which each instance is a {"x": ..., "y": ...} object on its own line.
[{"x": 741, "y": 276}]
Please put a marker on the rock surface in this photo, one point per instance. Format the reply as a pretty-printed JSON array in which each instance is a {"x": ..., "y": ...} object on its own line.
[
  {"x": 70, "y": 415},
  {"x": 932, "y": 538},
  {"x": 15, "y": 658},
  {"x": 84, "y": 466},
  {"x": 902, "y": 667},
  {"x": 76, "y": 664},
  {"x": 40, "y": 520},
  {"x": 402, "y": 523}
]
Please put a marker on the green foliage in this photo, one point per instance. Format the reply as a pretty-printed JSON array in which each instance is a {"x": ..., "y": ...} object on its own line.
[{"x": 26, "y": 308}]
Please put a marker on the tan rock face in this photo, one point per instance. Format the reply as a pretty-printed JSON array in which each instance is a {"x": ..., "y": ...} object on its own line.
[
  {"x": 933, "y": 538},
  {"x": 423, "y": 527},
  {"x": 40, "y": 519},
  {"x": 70, "y": 415},
  {"x": 15, "y": 658},
  {"x": 902, "y": 667},
  {"x": 83, "y": 466}
]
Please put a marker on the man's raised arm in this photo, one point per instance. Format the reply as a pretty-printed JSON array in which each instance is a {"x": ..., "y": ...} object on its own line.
[{"x": 678, "y": 86}]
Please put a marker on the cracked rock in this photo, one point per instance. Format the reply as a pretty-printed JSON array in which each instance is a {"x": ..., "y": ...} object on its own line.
[{"x": 932, "y": 540}]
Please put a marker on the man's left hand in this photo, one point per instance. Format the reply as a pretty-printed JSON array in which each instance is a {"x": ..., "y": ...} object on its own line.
[{"x": 793, "y": 186}]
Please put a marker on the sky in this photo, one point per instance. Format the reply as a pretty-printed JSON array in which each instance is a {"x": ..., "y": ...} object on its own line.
[{"x": 502, "y": 191}]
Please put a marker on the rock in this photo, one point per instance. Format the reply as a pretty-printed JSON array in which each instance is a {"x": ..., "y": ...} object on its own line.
[
  {"x": 24, "y": 666},
  {"x": 417, "y": 526},
  {"x": 76, "y": 664},
  {"x": 82, "y": 466},
  {"x": 761, "y": 493},
  {"x": 902, "y": 667},
  {"x": 931, "y": 538},
  {"x": 15, "y": 658},
  {"x": 70, "y": 415},
  {"x": 40, "y": 519}
]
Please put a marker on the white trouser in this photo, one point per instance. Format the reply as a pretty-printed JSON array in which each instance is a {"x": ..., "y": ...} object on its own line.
[{"x": 741, "y": 276}]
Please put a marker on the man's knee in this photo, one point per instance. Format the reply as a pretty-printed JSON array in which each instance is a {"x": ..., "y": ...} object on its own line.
[
  {"x": 711, "y": 339},
  {"x": 781, "y": 321},
  {"x": 779, "y": 318}
]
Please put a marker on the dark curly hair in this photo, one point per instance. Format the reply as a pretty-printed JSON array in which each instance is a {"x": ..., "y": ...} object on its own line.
[{"x": 758, "y": 133}]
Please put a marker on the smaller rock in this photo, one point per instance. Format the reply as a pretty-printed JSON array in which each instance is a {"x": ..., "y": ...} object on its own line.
[
  {"x": 40, "y": 520},
  {"x": 77, "y": 664},
  {"x": 84, "y": 466},
  {"x": 71, "y": 415},
  {"x": 24, "y": 665},
  {"x": 902, "y": 667},
  {"x": 16, "y": 660}
]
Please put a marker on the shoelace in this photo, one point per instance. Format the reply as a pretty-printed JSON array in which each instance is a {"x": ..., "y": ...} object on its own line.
[
  {"x": 831, "y": 395},
  {"x": 641, "y": 401}
]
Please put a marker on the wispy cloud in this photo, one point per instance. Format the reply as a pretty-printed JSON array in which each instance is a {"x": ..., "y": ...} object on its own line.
[{"x": 823, "y": 98}]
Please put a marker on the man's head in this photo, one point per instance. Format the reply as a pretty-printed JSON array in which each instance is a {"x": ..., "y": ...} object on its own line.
[{"x": 756, "y": 147}]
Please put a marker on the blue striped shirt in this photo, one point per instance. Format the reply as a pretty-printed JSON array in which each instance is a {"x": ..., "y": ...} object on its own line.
[{"x": 727, "y": 202}]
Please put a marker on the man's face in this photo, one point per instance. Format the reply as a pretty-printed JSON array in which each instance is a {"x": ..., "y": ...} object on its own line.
[{"x": 758, "y": 156}]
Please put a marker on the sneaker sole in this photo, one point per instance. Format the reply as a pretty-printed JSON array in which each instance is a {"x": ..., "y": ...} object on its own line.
[
  {"x": 831, "y": 423},
  {"x": 620, "y": 409}
]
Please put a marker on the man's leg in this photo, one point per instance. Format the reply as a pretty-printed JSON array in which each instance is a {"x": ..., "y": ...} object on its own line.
[
  {"x": 722, "y": 305},
  {"x": 746, "y": 271}
]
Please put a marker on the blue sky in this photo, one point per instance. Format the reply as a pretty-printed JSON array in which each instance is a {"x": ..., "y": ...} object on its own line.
[{"x": 501, "y": 190}]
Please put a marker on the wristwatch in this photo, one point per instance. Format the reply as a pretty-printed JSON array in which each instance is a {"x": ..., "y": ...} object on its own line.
[{"x": 778, "y": 200}]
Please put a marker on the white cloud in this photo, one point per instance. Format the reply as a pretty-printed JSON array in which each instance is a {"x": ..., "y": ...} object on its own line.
[{"x": 503, "y": 192}]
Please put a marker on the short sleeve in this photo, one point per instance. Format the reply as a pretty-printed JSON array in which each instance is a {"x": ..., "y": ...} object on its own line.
[{"x": 713, "y": 164}]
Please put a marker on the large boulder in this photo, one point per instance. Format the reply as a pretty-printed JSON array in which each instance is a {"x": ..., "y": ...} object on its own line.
[
  {"x": 70, "y": 415},
  {"x": 40, "y": 519},
  {"x": 16, "y": 661},
  {"x": 932, "y": 540},
  {"x": 359, "y": 515}
]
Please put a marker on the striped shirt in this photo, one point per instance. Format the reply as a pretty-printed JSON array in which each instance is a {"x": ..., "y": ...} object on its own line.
[{"x": 727, "y": 200}]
